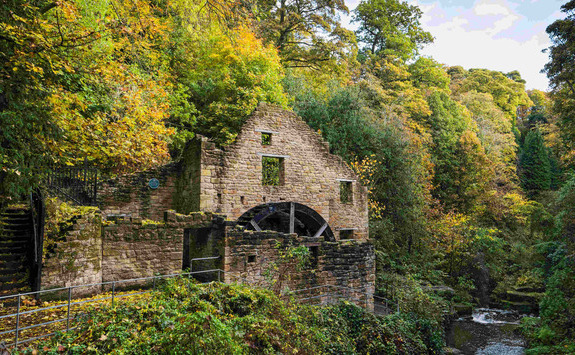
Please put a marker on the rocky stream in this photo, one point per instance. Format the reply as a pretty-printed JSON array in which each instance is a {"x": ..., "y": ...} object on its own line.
[{"x": 487, "y": 332}]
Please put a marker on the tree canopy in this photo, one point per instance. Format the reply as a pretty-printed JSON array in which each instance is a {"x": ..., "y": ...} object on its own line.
[{"x": 390, "y": 27}]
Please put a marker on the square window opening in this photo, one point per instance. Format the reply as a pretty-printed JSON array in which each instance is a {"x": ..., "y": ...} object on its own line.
[
  {"x": 272, "y": 171},
  {"x": 251, "y": 259},
  {"x": 266, "y": 138},
  {"x": 346, "y": 234},
  {"x": 345, "y": 192}
]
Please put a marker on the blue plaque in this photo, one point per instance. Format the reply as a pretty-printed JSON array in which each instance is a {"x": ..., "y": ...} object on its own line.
[{"x": 153, "y": 183}]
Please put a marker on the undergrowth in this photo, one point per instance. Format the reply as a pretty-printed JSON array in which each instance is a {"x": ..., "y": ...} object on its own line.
[{"x": 185, "y": 317}]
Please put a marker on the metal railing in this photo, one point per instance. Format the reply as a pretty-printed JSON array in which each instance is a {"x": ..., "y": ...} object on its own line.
[
  {"x": 115, "y": 287},
  {"x": 317, "y": 295},
  {"x": 77, "y": 183}
]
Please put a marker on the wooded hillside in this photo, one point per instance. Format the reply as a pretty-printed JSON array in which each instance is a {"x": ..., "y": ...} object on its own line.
[{"x": 466, "y": 169}]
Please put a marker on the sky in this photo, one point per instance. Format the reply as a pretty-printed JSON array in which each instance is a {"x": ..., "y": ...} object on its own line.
[{"x": 502, "y": 35}]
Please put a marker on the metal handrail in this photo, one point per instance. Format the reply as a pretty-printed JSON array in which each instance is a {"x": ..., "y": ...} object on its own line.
[{"x": 113, "y": 296}]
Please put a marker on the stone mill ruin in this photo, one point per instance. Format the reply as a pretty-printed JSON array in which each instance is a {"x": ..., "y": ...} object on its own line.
[{"x": 230, "y": 208}]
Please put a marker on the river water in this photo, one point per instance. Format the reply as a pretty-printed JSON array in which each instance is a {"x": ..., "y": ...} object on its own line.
[{"x": 487, "y": 332}]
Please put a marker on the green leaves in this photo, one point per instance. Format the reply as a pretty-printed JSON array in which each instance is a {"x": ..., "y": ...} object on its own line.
[
  {"x": 227, "y": 78},
  {"x": 561, "y": 68},
  {"x": 535, "y": 168},
  {"x": 390, "y": 27},
  {"x": 307, "y": 33},
  {"x": 184, "y": 317}
]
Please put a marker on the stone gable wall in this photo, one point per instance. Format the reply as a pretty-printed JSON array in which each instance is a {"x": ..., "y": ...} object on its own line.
[{"x": 231, "y": 180}]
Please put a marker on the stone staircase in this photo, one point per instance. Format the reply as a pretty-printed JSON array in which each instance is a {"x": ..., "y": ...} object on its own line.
[{"x": 16, "y": 232}]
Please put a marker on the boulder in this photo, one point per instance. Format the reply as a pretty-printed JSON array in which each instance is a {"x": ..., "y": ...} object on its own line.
[{"x": 463, "y": 310}]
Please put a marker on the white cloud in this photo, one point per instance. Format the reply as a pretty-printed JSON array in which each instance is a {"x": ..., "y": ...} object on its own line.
[
  {"x": 479, "y": 49},
  {"x": 490, "y": 34},
  {"x": 490, "y": 8},
  {"x": 499, "y": 11},
  {"x": 470, "y": 39},
  {"x": 503, "y": 24}
]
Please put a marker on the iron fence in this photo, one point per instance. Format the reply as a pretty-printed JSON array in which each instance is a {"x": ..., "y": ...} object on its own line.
[
  {"x": 77, "y": 183},
  {"x": 318, "y": 295}
]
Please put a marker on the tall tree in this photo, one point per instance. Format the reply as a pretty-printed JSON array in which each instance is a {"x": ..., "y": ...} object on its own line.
[
  {"x": 534, "y": 165},
  {"x": 80, "y": 80},
  {"x": 461, "y": 167},
  {"x": 507, "y": 93},
  {"x": 307, "y": 33},
  {"x": 561, "y": 68},
  {"x": 496, "y": 135},
  {"x": 390, "y": 27},
  {"x": 561, "y": 73}
]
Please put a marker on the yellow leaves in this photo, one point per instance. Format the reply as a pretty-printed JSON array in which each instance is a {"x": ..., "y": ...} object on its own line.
[
  {"x": 126, "y": 133},
  {"x": 366, "y": 169},
  {"x": 451, "y": 232}
]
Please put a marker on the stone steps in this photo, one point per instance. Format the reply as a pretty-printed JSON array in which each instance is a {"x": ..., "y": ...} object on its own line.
[{"x": 15, "y": 241}]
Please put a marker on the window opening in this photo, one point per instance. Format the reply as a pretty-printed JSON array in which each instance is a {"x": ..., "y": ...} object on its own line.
[
  {"x": 272, "y": 171},
  {"x": 346, "y": 234},
  {"x": 345, "y": 192},
  {"x": 251, "y": 259},
  {"x": 266, "y": 138}
]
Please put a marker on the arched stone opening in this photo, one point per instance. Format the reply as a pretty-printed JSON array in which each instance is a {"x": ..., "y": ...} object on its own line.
[{"x": 287, "y": 217}]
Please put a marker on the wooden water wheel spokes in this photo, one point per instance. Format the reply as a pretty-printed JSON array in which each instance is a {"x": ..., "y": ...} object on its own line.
[{"x": 286, "y": 217}]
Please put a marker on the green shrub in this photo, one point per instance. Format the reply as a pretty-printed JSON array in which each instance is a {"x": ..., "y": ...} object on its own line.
[
  {"x": 411, "y": 297},
  {"x": 184, "y": 317}
]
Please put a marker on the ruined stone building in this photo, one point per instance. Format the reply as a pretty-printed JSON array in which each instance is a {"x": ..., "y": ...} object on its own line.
[{"x": 276, "y": 186}]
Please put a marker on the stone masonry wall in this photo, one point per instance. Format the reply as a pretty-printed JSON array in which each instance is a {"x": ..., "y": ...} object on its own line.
[
  {"x": 77, "y": 259},
  {"x": 133, "y": 250},
  {"x": 231, "y": 180},
  {"x": 179, "y": 189},
  {"x": 251, "y": 255},
  {"x": 130, "y": 195},
  {"x": 94, "y": 251}
]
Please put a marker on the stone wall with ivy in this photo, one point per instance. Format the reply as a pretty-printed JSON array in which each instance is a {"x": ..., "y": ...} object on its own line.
[
  {"x": 178, "y": 189},
  {"x": 141, "y": 248},
  {"x": 277, "y": 260},
  {"x": 72, "y": 246},
  {"x": 80, "y": 248}
]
